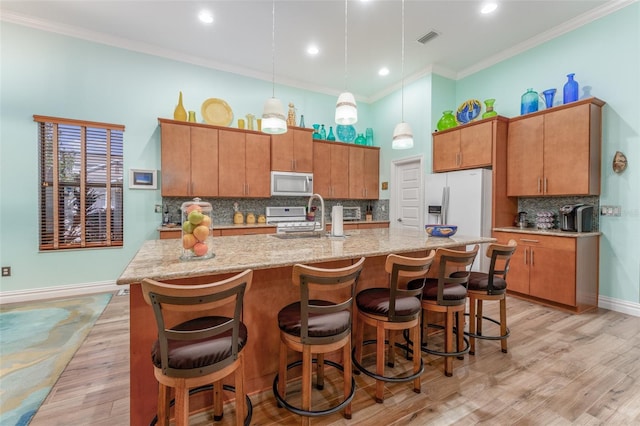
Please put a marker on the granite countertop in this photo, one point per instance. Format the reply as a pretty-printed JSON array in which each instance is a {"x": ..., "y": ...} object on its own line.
[
  {"x": 549, "y": 232},
  {"x": 176, "y": 227},
  {"x": 160, "y": 259}
]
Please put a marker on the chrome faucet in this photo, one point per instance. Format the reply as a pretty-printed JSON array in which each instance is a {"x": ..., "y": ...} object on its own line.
[{"x": 319, "y": 197}]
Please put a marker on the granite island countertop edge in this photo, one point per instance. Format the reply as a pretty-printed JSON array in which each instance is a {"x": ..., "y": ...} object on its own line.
[{"x": 160, "y": 259}]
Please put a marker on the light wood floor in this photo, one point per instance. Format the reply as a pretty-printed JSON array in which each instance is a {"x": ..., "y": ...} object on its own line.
[{"x": 561, "y": 369}]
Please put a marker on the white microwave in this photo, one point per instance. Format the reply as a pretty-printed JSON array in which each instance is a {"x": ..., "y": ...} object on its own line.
[{"x": 291, "y": 183}]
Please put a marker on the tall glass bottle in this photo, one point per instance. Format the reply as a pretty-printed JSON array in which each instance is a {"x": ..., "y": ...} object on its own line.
[
  {"x": 570, "y": 90},
  {"x": 323, "y": 132},
  {"x": 301, "y": 120},
  {"x": 331, "y": 136}
]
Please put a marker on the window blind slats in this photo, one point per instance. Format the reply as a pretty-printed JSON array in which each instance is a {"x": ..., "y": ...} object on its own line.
[{"x": 81, "y": 190}]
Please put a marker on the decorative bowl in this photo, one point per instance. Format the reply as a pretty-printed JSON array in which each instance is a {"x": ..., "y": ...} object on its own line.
[{"x": 441, "y": 230}]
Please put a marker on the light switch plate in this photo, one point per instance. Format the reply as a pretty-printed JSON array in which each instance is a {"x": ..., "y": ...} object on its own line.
[{"x": 610, "y": 211}]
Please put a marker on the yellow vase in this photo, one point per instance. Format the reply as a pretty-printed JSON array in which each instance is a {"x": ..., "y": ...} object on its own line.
[{"x": 180, "y": 113}]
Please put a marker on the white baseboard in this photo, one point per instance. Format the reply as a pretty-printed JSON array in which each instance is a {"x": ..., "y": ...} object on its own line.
[
  {"x": 59, "y": 291},
  {"x": 618, "y": 305}
]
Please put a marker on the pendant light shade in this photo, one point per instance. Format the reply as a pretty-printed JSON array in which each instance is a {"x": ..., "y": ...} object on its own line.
[
  {"x": 273, "y": 118},
  {"x": 402, "y": 136},
  {"x": 346, "y": 108}
]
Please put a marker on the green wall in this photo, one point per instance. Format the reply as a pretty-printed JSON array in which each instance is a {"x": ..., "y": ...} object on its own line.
[{"x": 50, "y": 74}]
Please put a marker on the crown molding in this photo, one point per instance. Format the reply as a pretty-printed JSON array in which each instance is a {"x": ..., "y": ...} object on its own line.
[{"x": 570, "y": 25}]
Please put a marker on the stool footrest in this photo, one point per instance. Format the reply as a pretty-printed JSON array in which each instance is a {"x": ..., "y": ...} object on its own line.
[
  {"x": 317, "y": 413},
  {"x": 482, "y": 336},
  {"x": 247, "y": 419},
  {"x": 386, "y": 378}
]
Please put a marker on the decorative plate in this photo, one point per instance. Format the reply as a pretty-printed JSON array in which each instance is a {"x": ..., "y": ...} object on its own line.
[
  {"x": 468, "y": 111},
  {"x": 346, "y": 133},
  {"x": 217, "y": 112}
]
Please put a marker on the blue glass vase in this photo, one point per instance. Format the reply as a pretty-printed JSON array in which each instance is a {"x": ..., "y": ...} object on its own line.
[
  {"x": 570, "y": 89},
  {"x": 529, "y": 102},
  {"x": 548, "y": 97},
  {"x": 360, "y": 139},
  {"x": 323, "y": 132},
  {"x": 316, "y": 132}
]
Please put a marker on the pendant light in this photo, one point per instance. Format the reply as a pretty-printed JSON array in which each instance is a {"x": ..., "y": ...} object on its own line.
[
  {"x": 346, "y": 109},
  {"x": 273, "y": 118},
  {"x": 402, "y": 134}
]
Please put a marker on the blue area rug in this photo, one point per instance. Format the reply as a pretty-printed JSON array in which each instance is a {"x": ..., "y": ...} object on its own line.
[{"x": 37, "y": 341}]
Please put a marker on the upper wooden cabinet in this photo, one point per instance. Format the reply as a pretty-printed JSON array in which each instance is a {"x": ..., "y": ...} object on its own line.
[
  {"x": 364, "y": 172},
  {"x": 189, "y": 160},
  {"x": 331, "y": 169},
  {"x": 556, "y": 151},
  {"x": 466, "y": 147},
  {"x": 244, "y": 164},
  {"x": 292, "y": 151}
]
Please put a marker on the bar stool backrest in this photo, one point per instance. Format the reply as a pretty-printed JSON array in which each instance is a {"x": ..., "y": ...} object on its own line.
[
  {"x": 500, "y": 255},
  {"x": 319, "y": 280},
  {"x": 198, "y": 301},
  {"x": 462, "y": 261},
  {"x": 402, "y": 269}
]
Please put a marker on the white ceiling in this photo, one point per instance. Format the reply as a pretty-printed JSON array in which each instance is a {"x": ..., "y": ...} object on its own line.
[{"x": 240, "y": 39}]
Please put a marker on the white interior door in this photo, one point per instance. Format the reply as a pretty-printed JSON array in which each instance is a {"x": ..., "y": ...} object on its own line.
[{"x": 407, "y": 210}]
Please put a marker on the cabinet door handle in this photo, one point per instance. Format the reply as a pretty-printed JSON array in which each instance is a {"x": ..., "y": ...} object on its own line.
[
  {"x": 526, "y": 240},
  {"x": 532, "y": 262},
  {"x": 539, "y": 183},
  {"x": 526, "y": 255},
  {"x": 545, "y": 186}
]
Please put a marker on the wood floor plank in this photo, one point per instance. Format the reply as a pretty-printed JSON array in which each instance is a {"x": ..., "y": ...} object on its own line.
[{"x": 561, "y": 369}]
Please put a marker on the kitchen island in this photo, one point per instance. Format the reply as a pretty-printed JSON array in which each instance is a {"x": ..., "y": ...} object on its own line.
[{"x": 271, "y": 258}]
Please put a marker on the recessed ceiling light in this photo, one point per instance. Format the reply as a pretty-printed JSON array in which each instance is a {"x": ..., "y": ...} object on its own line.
[
  {"x": 205, "y": 16},
  {"x": 383, "y": 71},
  {"x": 488, "y": 7},
  {"x": 312, "y": 50}
]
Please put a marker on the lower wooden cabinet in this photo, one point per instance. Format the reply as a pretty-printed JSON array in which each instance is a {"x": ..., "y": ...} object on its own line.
[{"x": 559, "y": 270}]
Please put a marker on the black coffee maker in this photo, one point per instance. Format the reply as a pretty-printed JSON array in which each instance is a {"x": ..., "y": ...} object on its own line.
[{"x": 576, "y": 218}]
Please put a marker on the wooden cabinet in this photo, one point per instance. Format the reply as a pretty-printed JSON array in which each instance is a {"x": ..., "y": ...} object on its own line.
[
  {"x": 331, "y": 169},
  {"x": 364, "y": 172},
  {"x": 361, "y": 225},
  {"x": 466, "y": 147},
  {"x": 556, "y": 151},
  {"x": 244, "y": 164},
  {"x": 189, "y": 160},
  {"x": 292, "y": 151},
  {"x": 561, "y": 271}
]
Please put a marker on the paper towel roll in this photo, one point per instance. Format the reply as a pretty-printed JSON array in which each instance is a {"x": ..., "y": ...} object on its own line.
[{"x": 336, "y": 221}]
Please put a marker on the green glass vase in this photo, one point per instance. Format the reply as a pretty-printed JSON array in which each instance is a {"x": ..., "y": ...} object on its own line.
[
  {"x": 489, "y": 112},
  {"x": 447, "y": 121}
]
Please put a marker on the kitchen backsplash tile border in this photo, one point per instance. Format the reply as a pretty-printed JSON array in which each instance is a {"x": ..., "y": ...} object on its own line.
[
  {"x": 553, "y": 204},
  {"x": 222, "y": 213}
]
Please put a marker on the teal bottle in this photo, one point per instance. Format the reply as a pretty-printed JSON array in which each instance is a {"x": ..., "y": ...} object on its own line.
[
  {"x": 323, "y": 132},
  {"x": 316, "y": 132},
  {"x": 360, "y": 140},
  {"x": 529, "y": 102},
  {"x": 301, "y": 120},
  {"x": 331, "y": 136}
]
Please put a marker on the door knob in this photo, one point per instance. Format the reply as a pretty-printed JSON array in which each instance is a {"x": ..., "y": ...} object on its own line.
[{"x": 399, "y": 219}]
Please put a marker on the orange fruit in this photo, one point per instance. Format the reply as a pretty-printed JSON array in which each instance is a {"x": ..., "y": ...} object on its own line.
[
  {"x": 201, "y": 232},
  {"x": 188, "y": 241}
]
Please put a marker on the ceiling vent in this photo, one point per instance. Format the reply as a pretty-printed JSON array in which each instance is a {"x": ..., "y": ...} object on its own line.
[{"x": 428, "y": 37}]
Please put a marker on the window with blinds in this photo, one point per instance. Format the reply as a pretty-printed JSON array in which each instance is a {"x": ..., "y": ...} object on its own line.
[{"x": 81, "y": 183}]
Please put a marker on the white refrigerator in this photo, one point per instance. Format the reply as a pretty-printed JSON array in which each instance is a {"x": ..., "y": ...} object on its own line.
[{"x": 462, "y": 198}]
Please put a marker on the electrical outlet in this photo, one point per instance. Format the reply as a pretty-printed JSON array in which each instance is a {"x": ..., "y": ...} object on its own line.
[
  {"x": 158, "y": 208},
  {"x": 610, "y": 211},
  {"x": 6, "y": 271}
]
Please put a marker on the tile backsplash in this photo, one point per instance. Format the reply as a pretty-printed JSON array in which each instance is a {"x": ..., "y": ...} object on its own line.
[
  {"x": 223, "y": 207},
  {"x": 553, "y": 204}
]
